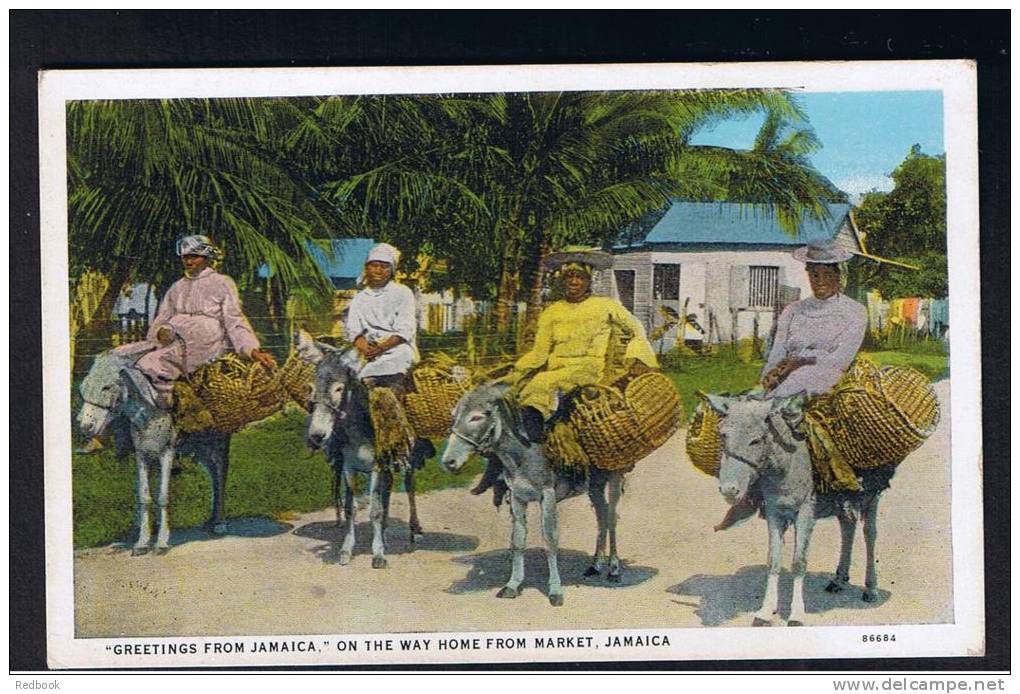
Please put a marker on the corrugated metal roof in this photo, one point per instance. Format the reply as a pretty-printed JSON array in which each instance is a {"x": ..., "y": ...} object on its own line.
[{"x": 728, "y": 222}]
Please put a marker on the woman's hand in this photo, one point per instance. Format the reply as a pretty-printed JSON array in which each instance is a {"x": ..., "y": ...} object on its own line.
[
  {"x": 165, "y": 335},
  {"x": 264, "y": 358}
]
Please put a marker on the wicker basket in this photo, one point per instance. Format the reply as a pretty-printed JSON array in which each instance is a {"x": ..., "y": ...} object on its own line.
[
  {"x": 436, "y": 392},
  {"x": 704, "y": 446},
  {"x": 880, "y": 419},
  {"x": 617, "y": 429},
  {"x": 873, "y": 416},
  {"x": 296, "y": 376}
]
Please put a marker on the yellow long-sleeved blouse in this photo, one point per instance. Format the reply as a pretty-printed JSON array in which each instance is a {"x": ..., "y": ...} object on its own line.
[{"x": 575, "y": 337}]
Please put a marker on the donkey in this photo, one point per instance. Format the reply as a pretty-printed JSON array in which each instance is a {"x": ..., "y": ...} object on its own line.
[
  {"x": 483, "y": 423},
  {"x": 110, "y": 400},
  {"x": 341, "y": 425},
  {"x": 764, "y": 453}
]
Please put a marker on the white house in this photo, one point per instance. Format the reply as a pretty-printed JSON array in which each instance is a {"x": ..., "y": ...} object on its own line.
[{"x": 730, "y": 262}]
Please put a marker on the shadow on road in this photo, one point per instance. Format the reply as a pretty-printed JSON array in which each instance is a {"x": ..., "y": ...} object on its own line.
[
  {"x": 490, "y": 571},
  {"x": 724, "y": 597},
  {"x": 234, "y": 527},
  {"x": 398, "y": 541}
]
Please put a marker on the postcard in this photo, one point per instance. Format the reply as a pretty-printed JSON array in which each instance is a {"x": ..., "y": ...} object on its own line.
[{"x": 511, "y": 364}]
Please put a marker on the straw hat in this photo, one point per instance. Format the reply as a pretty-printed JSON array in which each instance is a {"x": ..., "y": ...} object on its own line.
[
  {"x": 822, "y": 251},
  {"x": 596, "y": 258}
]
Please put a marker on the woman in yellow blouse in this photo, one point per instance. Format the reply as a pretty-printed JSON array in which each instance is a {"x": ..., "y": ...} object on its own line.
[
  {"x": 572, "y": 339},
  {"x": 571, "y": 344}
]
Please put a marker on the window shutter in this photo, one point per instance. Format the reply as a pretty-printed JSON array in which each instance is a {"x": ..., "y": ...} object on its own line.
[{"x": 739, "y": 276}]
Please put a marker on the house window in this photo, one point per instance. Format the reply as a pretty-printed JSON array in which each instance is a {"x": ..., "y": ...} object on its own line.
[
  {"x": 625, "y": 288},
  {"x": 666, "y": 281},
  {"x": 762, "y": 286}
]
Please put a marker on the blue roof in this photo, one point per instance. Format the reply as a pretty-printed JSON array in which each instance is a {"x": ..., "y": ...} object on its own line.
[
  {"x": 730, "y": 222},
  {"x": 344, "y": 258}
]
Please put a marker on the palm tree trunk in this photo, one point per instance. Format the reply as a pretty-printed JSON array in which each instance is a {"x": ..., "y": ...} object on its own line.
[
  {"x": 534, "y": 279},
  {"x": 506, "y": 294}
]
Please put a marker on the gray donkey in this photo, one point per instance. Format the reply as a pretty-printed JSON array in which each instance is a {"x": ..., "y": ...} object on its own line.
[
  {"x": 484, "y": 423},
  {"x": 340, "y": 424},
  {"x": 765, "y": 454},
  {"x": 112, "y": 400}
]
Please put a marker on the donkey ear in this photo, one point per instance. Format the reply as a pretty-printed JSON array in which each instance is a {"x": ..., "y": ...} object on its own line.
[
  {"x": 307, "y": 348},
  {"x": 719, "y": 403},
  {"x": 511, "y": 418}
]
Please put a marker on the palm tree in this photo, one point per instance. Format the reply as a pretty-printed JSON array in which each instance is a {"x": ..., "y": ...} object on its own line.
[{"x": 143, "y": 172}]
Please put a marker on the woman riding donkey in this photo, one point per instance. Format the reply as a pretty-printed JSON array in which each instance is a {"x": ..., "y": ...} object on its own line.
[
  {"x": 199, "y": 319},
  {"x": 816, "y": 340},
  {"x": 570, "y": 346}
]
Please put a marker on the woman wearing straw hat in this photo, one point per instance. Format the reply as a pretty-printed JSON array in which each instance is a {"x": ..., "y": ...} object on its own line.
[
  {"x": 818, "y": 337},
  {"x": 570, "y": 345},
  {"x": 198, "y": 320}
]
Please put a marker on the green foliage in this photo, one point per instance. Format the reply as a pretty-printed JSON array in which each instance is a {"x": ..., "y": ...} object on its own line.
[
  {"x": 907, "y": 224},
  {"x": 723, "y": 372}
]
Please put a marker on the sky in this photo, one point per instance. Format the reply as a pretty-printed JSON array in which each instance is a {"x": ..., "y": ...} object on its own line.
[{"x": 864, "y": 135}]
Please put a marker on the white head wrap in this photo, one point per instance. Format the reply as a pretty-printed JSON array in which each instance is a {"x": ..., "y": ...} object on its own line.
[
  {"x": 384, "y": 252},
  {"x": 197, "y": 244}
]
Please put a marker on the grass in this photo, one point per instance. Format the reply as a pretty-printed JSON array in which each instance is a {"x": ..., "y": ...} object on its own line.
[{"x": 272, "y": 474}]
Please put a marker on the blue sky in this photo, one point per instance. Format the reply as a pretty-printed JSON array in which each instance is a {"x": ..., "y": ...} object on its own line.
[{"x": 864, "y": 135}]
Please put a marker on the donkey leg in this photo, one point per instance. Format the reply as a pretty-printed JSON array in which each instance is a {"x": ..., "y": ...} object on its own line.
[
  {"x": 551, "y": 535},
  {"x": 413, "y": 523},
  {"x": 142, "y": 501},
  {"x": 870, "y": 513},
  {"x": 615, "y": 491},
  {"x": 338, "y": 476},
  {"x": 166, "y": 463},
  {"x": 597, "y": 495},
  {"x": 847, "y": 530},
  {"x": 377, "y": 514},
  {"x": 770, "y": 605},
  {"x": 350, "y": 513},
  {"x": 518, "y": 537},
  {"x": 801, "y": 541}
]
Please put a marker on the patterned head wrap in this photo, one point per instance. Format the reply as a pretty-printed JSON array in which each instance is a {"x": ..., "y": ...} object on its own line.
[{"x": 198, "y": 244}]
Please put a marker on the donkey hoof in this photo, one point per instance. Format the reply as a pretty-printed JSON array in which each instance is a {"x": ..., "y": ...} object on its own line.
[
  {"x": 590, "y": 572},
  {"x": 378, "y": 562},
  {"x": 795, "y": 623},
  {"x": 160, "y": 551},
  {"x": 834, "y": 587},
  {"x": 507, "y": 592},
  {"x": 869, "y": 596},
  {"x": 556, "y": 599},
  {"x": 759, "y": 622},
  {"x": 614, "y": 577},
  {"x": 139, "y": 551},
  {"x": 219, "y": 528},
  {"x": 344, "y": 558}
]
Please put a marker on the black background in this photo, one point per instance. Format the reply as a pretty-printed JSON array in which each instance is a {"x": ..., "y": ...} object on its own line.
[{"x": 136, "y": 39}]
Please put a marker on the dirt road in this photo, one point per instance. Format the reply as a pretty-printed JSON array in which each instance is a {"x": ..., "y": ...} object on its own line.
[{"x": 282, "y": 578}]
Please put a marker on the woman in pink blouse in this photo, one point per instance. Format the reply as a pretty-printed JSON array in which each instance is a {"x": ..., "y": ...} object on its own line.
[{"x": 198, "y": 320}]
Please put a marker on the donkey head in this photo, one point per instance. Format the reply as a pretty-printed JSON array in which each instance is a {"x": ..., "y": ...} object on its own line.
[
  {"x": 479, "y": 420},
  {"x": 753, "y": 431},
  {"x": 331, "y": 386},
  {"x": 102, "y": 390}
]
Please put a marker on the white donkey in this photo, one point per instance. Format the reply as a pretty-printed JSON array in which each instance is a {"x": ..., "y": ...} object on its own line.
[
  {"x": 762, "y": 448},
  {"x": 107, "y": 395},
  {"x": 764, "y": 453}
]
